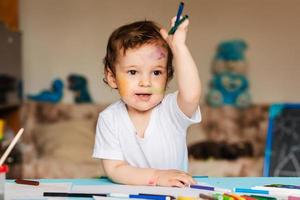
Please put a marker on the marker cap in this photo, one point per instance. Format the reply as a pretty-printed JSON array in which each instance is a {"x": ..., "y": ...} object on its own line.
[{"x": 3, "y": 168}]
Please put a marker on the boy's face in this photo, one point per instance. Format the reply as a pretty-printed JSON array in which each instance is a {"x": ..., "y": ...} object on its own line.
[{"x": 141, "y": 76}]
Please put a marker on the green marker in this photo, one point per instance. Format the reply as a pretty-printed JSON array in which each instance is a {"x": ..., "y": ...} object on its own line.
[{"x": 174, "y": 28}]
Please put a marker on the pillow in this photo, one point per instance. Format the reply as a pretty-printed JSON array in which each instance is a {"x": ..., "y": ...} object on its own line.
[{"x": 64, "y": 150}]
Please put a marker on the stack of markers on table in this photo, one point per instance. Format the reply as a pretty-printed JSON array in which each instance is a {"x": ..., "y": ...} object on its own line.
[{"x": 267, "y": 192}]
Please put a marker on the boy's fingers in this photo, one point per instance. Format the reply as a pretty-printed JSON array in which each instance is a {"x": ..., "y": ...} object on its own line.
[
  {"x": 192, "y": 181},
  {"x": 184, "y": 25},
  {"x": 181, "y": 178},
  {"x": 177, "y": 183},
  {"x": 187, "y": 179},
  {"x": 163, "y": 33},
  {"x": 173, "y": 21}
]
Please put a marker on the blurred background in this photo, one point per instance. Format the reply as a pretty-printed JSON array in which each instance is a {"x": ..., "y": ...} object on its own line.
[{"x": 49, "y": 46}]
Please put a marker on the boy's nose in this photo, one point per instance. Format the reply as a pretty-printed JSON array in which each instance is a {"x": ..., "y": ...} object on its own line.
[{"x": 145, "y": 82}]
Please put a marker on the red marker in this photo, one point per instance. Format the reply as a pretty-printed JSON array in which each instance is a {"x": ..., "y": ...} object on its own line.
[{"x": 27, "y": 182}]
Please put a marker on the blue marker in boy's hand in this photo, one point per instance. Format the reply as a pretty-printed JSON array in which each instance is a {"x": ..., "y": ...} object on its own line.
[
  {"x": 174, "y": 28},
  {"x": 179, "y": 12},
  {"x": 178, "y": 20}
]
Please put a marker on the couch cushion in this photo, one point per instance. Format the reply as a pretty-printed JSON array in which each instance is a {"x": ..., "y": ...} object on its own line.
[{"x": 64, "y": 149}]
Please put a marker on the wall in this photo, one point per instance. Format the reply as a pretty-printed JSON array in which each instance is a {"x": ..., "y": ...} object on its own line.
[{"x": 60, "y": 37}]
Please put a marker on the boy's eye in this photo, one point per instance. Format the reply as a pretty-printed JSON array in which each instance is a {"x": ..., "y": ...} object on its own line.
[
  {"x": 156, "y": 73},
  {"x": 132, "y": 72}
]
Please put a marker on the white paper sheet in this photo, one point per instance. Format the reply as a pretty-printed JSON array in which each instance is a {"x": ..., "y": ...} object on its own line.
[{"x": 22, "y": 192}]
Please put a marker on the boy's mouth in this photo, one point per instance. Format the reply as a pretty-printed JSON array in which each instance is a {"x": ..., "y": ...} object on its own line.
[{"x": 143, "y": 96}]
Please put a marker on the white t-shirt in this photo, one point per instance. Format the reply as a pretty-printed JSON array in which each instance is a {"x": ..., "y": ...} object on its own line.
[{"x": 164, "y": 142}]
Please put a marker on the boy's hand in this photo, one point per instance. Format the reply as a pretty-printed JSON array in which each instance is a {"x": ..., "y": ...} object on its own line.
[
  {"x": 179, "y": 37},
  {"x": 173, "y": 178}
]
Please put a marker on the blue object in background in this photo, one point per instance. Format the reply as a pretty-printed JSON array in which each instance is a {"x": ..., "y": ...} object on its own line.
[
  {"x": 229, "y": 84},
  {"x": 54, "y": 95},
  {"x": 282, "y": 152},
  {"x": 232, "y": 50},
  {"x": 229, "y": 88},
  {"x": 79, "y": 85}
]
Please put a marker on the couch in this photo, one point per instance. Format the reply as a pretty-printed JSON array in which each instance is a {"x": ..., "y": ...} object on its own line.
[{"x": 59, "y": 138}]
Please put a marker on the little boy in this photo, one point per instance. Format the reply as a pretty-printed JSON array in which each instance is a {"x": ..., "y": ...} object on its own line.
[{"x": 141, "y": 139}]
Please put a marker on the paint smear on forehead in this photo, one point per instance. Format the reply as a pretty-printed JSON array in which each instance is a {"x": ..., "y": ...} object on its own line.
[{"x": 158, "y": 54}]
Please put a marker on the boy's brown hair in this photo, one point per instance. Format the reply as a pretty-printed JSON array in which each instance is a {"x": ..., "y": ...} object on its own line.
[{"x": 132, "y": 36}]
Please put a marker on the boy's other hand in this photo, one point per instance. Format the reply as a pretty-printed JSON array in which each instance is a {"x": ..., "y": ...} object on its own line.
[
  {"x": 173, "y": 178},
  {"x": 179, "y": 37}
]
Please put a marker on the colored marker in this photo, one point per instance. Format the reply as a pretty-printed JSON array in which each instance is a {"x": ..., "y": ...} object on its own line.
[
  {"x": 200, "y": 176},
  {"x": 226, "y": 197},
  {"x": 27, "y": 182},
  {"x": 145, "y": 196},
  {"x": 251, "y": 191},
  {"x": 214, "y": 196},
  {"x": 64, "y": 194},
  {"x": 262, "y": 197},
  {"x": 187, "y": 198},
  {"x": 248, "y": 197},
  {"x": 209, "y": 188},
  {"x": 174, "y": 28},
  {"x": 283, "y": 186},
  {"x": 179, "y": 12},
  {"x": 277, "y": 190},
  {"x": 141, "y": 196},
  {"x": 234, "y": 196},
  {"x": 117, "y": 195},
  {"x": 171, "y": 197},
  {"x": 202, "y": 187}
]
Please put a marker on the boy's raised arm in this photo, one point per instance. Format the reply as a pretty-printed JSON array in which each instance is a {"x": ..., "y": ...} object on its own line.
[{"x": 188, "y": 81}]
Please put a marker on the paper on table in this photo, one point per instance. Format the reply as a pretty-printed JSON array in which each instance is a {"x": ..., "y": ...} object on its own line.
[
  {"x": 129, "y": 189},
  {"x": 34, "y": 192}
]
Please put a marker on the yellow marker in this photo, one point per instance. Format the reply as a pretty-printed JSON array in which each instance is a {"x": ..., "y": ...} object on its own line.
[
  {"x": 2, "y": 124},
  {"x": 237, "y": 197}
]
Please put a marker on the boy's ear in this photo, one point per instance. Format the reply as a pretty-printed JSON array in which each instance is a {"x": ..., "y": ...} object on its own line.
[{"x": 111, "y": 78}]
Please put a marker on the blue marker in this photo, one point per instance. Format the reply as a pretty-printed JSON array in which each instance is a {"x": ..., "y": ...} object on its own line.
[
  {"x": 210, "y": 188},
  {"x": 250, "y": 191},
  {"x": 140, "y": 196},
  {"x": 179, "y": 12},
  {"x": 200, "y": 176},
  {"x": 152, "y": 197},
  {"x": 202, "y": 187},
  {"x": 161, "y": 195}
]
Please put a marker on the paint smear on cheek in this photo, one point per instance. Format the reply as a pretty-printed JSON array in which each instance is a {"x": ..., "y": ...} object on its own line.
[
  {"x": 122, "y": 86},
  {"x": 157, "y": 90},
  {"x": 158, "y": 54}
]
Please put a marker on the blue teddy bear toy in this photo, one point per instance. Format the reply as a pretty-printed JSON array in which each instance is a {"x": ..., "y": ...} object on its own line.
[
  {"x": 229, "y": 85},
  {"x": 232, "y": 50},
  {"x": 229, "y": 88}
]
